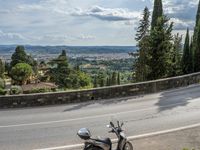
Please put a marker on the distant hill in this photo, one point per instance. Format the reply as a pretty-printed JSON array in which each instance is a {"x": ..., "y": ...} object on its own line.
[{"x": 69, "y": 49}]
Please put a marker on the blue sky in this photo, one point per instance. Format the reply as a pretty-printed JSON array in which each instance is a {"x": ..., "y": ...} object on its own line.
[{"x": 83, "y": 22}]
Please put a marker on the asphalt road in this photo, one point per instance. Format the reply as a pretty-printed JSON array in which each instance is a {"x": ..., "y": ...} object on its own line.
[{"x": 35, "y": 128}]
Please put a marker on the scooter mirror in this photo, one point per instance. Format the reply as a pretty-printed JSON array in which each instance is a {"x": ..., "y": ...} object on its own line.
[
  {"x": 122, "y": 124},
  {"x": 108, "y": 126}
]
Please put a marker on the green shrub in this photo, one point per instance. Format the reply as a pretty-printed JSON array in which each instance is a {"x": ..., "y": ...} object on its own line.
[
  {"x": 2, "y": 91},
  {"x": 2, "y": 83},
  {"x": 15, "y": 90},
  {"x": 21, "y": 73}
]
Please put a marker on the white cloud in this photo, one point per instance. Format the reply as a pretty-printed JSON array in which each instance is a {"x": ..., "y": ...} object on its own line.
[
  {"x": 181, "y": 24},
  {"x": 83, "y": 22},
  {"x": 182, "y": 12},
  {"x": 86, "y": 37},
  {"x": 11, "y": 36},
  {"x": 108, "y": 14}
]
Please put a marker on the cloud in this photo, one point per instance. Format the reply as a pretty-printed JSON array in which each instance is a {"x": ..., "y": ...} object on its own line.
[
  {"x": 107, "y": 14},
  {"x": 85, "y": 22},
  {"x": 181, "y": 24},
  {"x": 51, "y": 6},
  {"x": 182, "y": 12},
  {"x": 85, "y": 37},
  {"x": 61, "y": 39},
  {"x": 11, "y": 36}
]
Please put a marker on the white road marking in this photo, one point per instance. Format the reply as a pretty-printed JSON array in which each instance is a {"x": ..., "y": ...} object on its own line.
[
  {"x": 93, "y": 117},
  {"x": 130, "y": 138}
]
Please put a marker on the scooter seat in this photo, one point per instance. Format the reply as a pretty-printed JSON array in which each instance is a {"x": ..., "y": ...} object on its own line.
[{"x": 105, "y": 140}]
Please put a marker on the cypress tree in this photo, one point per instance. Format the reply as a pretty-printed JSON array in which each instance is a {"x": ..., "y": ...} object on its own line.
[
  {"x": 157, "y": 12},
  {"x": 142, "y": 37},
  {"x": 186, "y": 59},
  {"x": 19, "y": 56},
  {"x": 114, "y": 78},
  {"x": 174, "y": 68},
  {"x": 60, "y": 73},
  {"x": 102, "y": 82},
  {"x": 118, "y": 79},
  {"x": 196, "y": 40},
  {"x": 197, "y": 51},
  {"x": 62, "y": 60},
  {"x": 191, "y": 58},
  {"x": 2, "y": 69},
  {"x": 161, "y": 46},
  {"x": 198, "y": 15},
  {"x": 107, "y": 81},
  {"x": 95, "y": 82},
  {"x": 101, "y": 79},
  {"x": 192, "y": 53},
  {"x": 160, "y": 49}
]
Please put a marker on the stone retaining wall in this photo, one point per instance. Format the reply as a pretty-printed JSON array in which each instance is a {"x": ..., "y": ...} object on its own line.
[{"x": 98, "y": 93}]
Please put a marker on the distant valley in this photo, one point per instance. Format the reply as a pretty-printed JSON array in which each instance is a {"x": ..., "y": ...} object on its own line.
[{"x": 74, "y": 52}]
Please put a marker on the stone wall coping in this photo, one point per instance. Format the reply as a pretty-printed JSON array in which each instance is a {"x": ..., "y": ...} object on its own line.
[{"x": 104, "y": 88}]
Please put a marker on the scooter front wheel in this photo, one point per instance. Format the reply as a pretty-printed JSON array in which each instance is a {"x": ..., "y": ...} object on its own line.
[{"x": 128, "y": 146}]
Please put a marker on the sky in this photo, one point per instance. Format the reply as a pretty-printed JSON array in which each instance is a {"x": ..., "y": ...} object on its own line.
[{"x": 83, "y": 22}]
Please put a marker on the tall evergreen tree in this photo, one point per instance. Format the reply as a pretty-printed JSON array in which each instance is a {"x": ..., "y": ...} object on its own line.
[
  {"x": 142, "y": 37},
  {"x": 107, "y": 81},
  {"x": 95, "y": 82},
  {"x": 198, "y": 15},
  {"x": 160, "y": 48},
  {"x": 62, "y": 60},
  {"x": 187, "y": 55},
  {"x": 197, "y": 51},
  {"x": 20, "y": 56},
  {"x": 192, "y": 53},
  {"x": 114, "y": 78},
  {"x": 60, "y": 73},
  {"x": 118, "y": 79},
  {"x": 2, "y": 68},
  {"x": 144, "y": 24},
  {"x": 195, "y": 35},
  {"x": 157, "y": 12},
  {"x": 160, "y": 43},
  {"x": 101, "y": 79},
  {"x": 174, "y": 68}
]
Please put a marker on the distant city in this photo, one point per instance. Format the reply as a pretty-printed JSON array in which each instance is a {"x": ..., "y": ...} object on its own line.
[{"x": 87, "y": 52}]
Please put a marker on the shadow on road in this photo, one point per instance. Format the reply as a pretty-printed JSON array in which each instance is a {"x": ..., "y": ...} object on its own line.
[
  {"x": 177, "y": 98},
  {"x": 101, "y": 102}
]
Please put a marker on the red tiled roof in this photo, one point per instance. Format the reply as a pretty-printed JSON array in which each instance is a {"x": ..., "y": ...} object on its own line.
[{"x": 41, "y": 85}]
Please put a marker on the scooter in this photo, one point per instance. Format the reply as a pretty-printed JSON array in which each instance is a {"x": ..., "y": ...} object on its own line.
[{"x": 105, "y": 144}]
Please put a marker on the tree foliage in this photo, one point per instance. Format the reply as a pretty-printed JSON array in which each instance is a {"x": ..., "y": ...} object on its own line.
[
  {"x": 2, "y": 69},
  {"x": 160, "y": 49},
  {"x": 65, "y": 76},
  {"x": 144, "y": 25},
  {"x": 159, "y": 53},
  {"x": 187, "y": 64},
  {"x": 2, "y": 83},
  {"x": 21, "y": 73},
  {"x": 197, "y": 51},
  {"x": 20, "y": 56},
  {"x": 195, "y": 42},
  {"x": 118, "y": 79},
  {"x": 174, "y": 68},
  {"x": 157, "y": 13},
  {"x": 142, "y": 37},
  {"x": 114, "y": 78}
]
